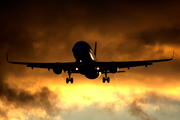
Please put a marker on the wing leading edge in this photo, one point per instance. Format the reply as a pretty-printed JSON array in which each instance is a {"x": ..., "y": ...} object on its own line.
[
  {"x": 127, "y": 64},
  {"x": 65, "y": 66},
  {"x": 72, "y": 65}
]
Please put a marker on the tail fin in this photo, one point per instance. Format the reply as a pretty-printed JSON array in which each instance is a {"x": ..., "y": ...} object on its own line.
[{"x": 95, "y": 48}]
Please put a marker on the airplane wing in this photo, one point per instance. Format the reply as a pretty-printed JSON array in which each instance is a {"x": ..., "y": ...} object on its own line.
[
  {"x": 108, "y": 66},
  {"x": 69, "y": 66},
  {"x": 127, "y": 64},
  {"x": 105, "y": 67}
]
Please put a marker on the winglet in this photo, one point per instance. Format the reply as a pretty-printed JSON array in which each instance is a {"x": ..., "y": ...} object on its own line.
[
  {"x": 7, "y": 58},
  {"x": 173, "y": 55}
]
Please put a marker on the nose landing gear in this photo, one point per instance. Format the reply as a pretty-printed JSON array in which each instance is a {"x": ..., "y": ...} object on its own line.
[
  {"x": 69, "y": 79},
  {"x": 106, "y": 78}
]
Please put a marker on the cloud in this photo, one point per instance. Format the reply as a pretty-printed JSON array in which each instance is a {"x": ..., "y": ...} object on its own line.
[
  {"x": 3, "y": 114},
  {"x": 170, "y": 36},
  {"x": 19, "y": 98},
  {"x": 153, "y": 105},
  {"x": 125, "y": 30},
  {"x": 137, "y": 111}
]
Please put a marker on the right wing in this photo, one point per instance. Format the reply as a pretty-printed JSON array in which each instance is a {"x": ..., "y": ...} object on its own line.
[
  {"x": 112, "y": 66},
  {"x": 126, "y": 64}
]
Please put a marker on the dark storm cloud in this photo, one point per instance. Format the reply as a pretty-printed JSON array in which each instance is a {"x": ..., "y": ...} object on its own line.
[
  {"x": 165, "y": 104},
  {"x": 22, "y": 22},
  {"x": 157, "y": 98},
  {"x": 44, "y": 99},
  {"x": 29, "y": 30},
  {"x": 137, "y": 111},
  {"x": 170, "y": 36}
]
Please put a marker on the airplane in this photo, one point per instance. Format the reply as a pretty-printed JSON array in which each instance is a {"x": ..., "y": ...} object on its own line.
[{"x": 87, "y": 64}]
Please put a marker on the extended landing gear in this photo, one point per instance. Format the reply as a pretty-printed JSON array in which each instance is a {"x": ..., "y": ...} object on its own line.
[
  {"x": 69, "y": 79},
  {"x": 106, "y": 78}
]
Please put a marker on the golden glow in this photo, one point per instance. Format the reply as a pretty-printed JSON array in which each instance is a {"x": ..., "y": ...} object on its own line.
[
  {"x": 48, "y": 32},
  {"x": 84, "y": 94},
  {"x": 81, "y": 86},
  {"x": 88, "y": 94}
]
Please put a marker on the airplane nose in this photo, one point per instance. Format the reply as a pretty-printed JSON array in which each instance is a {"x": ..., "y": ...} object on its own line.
[{"x": 81, "y": 45}]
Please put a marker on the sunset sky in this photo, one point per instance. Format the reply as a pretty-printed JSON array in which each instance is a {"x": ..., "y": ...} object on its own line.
[{"x": 124, "y": 31}]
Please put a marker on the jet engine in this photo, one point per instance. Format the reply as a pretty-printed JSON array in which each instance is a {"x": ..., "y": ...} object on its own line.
[
  {"x": 113, "y": 69},
  {"x": 57, "y": 70}
]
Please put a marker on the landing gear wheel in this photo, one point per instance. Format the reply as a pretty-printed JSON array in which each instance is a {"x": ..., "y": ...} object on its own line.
[
  {"x": 67, "y": 80},
  {"x": 108, "y": 79},
  {"x": 104, "y": 80},
  {"x": 71, "y": 80}
]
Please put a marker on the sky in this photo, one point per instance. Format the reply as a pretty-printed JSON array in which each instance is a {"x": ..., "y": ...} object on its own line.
[{"x": 45, "y": 31}]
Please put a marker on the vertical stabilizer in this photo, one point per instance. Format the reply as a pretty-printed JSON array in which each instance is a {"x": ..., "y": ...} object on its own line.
[{"x": 95, "y": 48}]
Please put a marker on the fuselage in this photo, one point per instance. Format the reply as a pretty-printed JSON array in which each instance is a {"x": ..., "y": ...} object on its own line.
[{"x": 84, "y": 56}]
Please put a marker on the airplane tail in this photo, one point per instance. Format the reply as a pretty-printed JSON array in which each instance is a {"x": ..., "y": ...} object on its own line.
[{"x": 95, "y": 48}]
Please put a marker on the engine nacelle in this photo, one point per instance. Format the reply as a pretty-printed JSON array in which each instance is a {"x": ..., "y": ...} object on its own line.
[
  {"x": 57, "y": 70},
  {"x": 113, "y": 69}
]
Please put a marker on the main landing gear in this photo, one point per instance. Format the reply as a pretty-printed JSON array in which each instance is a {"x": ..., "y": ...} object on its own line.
[
  {"x": 69, "y": 79},
  {"x": 106, "y": 78}
]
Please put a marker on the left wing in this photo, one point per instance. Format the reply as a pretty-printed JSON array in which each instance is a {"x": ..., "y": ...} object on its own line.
[{"x": 70, "y": 66}]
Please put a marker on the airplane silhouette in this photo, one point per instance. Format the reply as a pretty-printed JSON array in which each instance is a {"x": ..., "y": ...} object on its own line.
[{"x": 86, "y": 64}]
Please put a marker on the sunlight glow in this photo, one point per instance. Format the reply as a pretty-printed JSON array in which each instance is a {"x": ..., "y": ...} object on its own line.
[{"x": 91, "y": 56}]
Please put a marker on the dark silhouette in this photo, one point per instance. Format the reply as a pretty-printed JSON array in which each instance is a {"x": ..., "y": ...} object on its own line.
[{"x": 86, "y": 64}]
